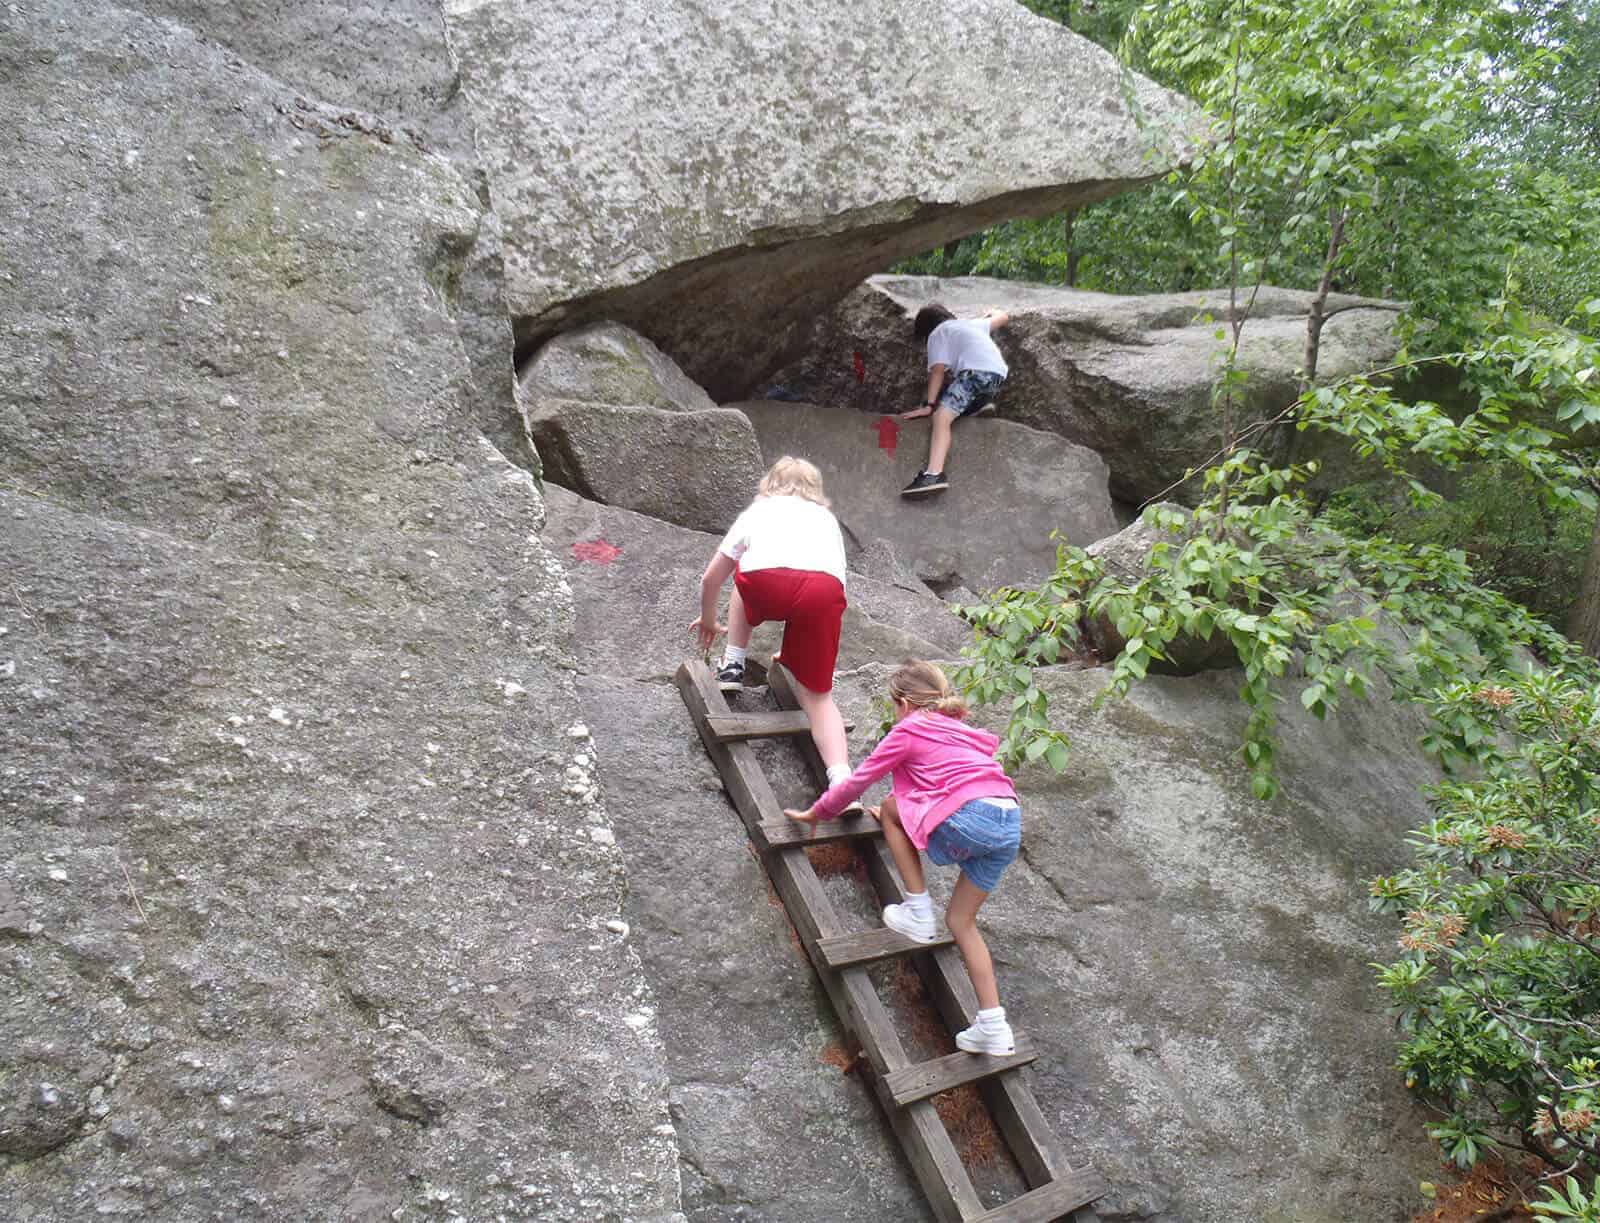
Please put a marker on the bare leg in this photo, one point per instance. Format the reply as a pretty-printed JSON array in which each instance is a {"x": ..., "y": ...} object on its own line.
[
  {"x": 739, "y": 628},
  {"x": 962, "y": 918},
  {"x": 906, "y": 857},
  {"x": 827, "y": 723},
  {"x": 939, "y": 442}
]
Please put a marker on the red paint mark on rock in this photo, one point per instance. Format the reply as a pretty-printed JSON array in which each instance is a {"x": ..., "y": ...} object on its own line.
[
  {"x": 888, "y": 434},
  {"x": 597, "y": 551},
  {"x": 860, "y": 366}
]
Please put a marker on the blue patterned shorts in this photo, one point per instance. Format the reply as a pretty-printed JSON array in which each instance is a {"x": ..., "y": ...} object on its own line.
[
  {"x": 970, "y": 391},
  {"x": 981, "y": 837}
]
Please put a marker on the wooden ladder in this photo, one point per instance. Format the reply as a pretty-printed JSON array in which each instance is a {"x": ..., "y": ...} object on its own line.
[{"x": 904, "y": 1089}]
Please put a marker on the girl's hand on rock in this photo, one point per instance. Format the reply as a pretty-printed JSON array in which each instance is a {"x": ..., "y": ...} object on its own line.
[{"x": 808, "y": 816}]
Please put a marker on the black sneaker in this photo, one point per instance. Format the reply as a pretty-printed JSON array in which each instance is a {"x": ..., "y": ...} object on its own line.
[
  {"x": 926, "y": 482},
  {"x": 731, "y": 677}
]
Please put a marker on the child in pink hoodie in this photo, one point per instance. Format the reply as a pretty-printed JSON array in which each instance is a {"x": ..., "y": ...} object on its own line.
[{"x": 953, "y": 799}]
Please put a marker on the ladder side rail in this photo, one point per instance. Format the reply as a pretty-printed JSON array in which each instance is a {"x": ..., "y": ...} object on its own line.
[
  {"x": 921, "y": 1133},
  {"x": 1033, "y": 1142}
]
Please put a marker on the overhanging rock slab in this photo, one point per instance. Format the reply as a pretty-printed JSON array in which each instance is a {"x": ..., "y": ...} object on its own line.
[{"x": 769, "y": 155}]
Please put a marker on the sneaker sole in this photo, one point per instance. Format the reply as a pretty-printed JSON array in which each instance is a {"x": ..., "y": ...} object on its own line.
[
  {"x": 915, "y": 936},
  {"x": 1007, "y": 1052},
  {"x": 923, "y": 492}
]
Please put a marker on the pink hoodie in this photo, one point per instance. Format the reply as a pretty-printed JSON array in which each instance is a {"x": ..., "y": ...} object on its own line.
[{"x": 939, "y": 764}]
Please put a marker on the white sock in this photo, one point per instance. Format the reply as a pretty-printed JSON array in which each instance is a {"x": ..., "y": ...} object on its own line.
[
  {"x": 921, "y": 906},
  {"x": 993, "y": 1019},
  {"x": 733, "y": 654},
  {"x": 837, "y": 773}
]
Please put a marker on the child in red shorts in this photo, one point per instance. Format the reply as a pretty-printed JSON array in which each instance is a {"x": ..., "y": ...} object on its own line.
[{"x": 786, "y": 555}]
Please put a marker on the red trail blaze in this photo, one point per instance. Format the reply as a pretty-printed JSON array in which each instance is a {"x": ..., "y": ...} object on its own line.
[
  {"x": 596, "y": 551},
  {"x": 888, "y": 434},
  {"x": 860, "y": 366}
]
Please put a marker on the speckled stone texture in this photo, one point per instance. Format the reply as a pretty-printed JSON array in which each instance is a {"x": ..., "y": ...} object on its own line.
[
  {"x": 716, "y": 174},
  {"x": 1129, "y": 377},
  {"x": 1192, "y": 962},
  {"x": 308, "y": 902}
]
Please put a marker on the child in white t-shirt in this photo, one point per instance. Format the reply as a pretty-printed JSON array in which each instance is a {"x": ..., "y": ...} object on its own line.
[
  {"x": 965, "y": 371},
  {"x": 786, "y": 555}
]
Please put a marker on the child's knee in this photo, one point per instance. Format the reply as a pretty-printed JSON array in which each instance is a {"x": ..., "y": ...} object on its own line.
[
  {"x": 960, "y": 923},
  {"x": 890, "y": 811}
]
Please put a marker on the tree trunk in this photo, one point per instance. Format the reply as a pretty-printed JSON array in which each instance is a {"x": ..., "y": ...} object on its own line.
[
  {"x": 1583, "y": 624},
  {"x": 1319, "y": 299},
  {"x": 1072, "y": 254}
]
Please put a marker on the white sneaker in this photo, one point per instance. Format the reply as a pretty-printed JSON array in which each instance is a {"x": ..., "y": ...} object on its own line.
[
  {"x": 918, "y": 929},
  {"x": 987, "y": 1040}
]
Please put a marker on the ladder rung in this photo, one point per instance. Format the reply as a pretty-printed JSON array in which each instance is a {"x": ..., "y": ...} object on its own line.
[
  {"x": 1050, "y": 1201},
  {"x": 731, "y": 727},
  {"x": 868, "y": 946},
  {"x": 783, "y": 835},
  {"x": 942, "y": 1073}
]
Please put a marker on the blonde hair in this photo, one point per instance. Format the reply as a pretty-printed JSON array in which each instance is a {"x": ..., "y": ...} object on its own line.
[
  {"x": 923, "y": 686},
  {"x": 792, "y": 477}
]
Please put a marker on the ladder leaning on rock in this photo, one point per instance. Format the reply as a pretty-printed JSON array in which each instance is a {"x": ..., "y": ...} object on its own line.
[{"x": 904, "y": 1089}]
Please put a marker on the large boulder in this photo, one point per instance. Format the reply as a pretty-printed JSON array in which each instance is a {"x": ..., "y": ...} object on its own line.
[
  {"x": 1191, "y": 962},
  {"x": 717, "y": 174},
  {"x": 1011, "y": 487},
  {"x": 616, "y": 420},
  {"x": 1129, "y": 377},
  {"x": 308, "y": 907}
]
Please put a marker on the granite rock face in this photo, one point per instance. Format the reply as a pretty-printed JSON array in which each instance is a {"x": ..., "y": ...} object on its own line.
[
  {"x": 384, "y": 67},
  {"x": 1129, "y": 377},
  {"x": 1191, "y": 961},
  {"x": 616, "y": 421},
  {"x": 308, "y": 903},
  {"x": 714, "y": 175},
  {"x": 1010, "y": 487}
]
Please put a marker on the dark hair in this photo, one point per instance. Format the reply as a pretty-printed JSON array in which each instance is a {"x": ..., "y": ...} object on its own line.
[{"x": 929, "y": 317}]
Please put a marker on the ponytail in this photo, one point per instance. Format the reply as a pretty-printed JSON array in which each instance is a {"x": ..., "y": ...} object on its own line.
[{"x": 924, "y": 686}]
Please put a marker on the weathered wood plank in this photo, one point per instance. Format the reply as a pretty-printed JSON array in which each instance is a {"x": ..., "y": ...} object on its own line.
[
  {"x": 787, "y": 833},
  {"x": 761, "y": 725},
  {"x": 1050, "y": 1201},
  {"x": 870, "y": 946},
  {"x": 926, "y": 1079}
]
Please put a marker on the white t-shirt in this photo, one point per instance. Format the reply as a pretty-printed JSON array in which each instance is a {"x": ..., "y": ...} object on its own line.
[
  {"x": 963, "y": 344},
  {"x": 786, "y": 533}
]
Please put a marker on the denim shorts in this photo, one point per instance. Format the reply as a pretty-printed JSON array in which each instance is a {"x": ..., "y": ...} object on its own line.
[
  {"x": 981, "y": 838},
  {"x": 970, "y": 391}
]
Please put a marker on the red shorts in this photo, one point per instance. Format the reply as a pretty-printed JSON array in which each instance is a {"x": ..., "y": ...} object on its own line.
[{"x": 811, "y": 606}]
